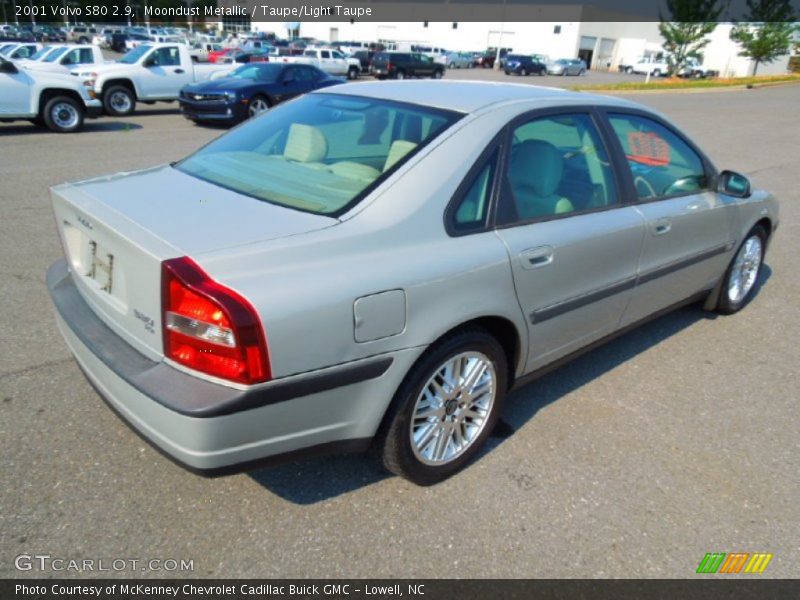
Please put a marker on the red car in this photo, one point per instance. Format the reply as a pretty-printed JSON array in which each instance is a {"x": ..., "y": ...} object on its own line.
[{"x": 217, "y": 54}]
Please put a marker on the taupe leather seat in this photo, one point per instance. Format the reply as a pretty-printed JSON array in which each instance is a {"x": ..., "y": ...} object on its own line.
[{"x": 535, "y": 174}]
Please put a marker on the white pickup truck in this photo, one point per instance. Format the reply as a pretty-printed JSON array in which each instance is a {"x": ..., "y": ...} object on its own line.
[
  {"x": 65, "y": 58},
  {"x": 653, "y": 66},
  {"x": 149, "y": 73},
  {"x": 55, "y": 100},
  {"x": 332, "y": 62}
]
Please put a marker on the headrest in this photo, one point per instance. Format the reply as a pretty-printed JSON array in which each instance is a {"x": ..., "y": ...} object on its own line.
[
  {"x": 397, "y": 151},
  {"x": 305, "y": 144},
  {"x": 538, "y": 165}
]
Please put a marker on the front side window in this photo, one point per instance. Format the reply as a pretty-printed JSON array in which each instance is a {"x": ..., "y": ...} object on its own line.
[
  {"x": 661, "y": 163},
  {"x": 558, "y": 165},
  {"x": 134, "y": 55},
  {"x": 319, "y": 153},
  {"x": 166, "y": 57}
]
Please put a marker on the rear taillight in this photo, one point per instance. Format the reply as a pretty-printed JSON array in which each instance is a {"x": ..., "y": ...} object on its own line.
[
  {"x": 210, "y": 328},
  {"x": 389, "y": 66}
]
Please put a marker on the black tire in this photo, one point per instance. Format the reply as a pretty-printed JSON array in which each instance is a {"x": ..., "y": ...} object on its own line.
[
  {"x": 656, "y": 72},
  {"x": 394, "y": 439},
  {"x": 63, "y": 114},
  {"x": 113, "y": 104},
  {"x": 438, "y": 74},
  {"x": 400, "y": 74},
  {"x": 727, "y": 305},
  {"x": 257, "y": 100},
  {"x": 542, "y": 72},
  {"x": 352, "y": 73},
  {"x": 582, "y": 73},
  {"x": 523, "y": 72}
]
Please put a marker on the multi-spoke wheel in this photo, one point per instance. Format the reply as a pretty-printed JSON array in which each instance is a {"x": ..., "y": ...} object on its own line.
[
  {"x": 258, "y": 105},
  {"x": 446, "y": 407},
  {"x": 742, "y": 274}
]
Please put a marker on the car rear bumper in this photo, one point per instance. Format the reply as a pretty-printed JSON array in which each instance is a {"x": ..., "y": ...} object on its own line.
[{"x": 214, "y": 429}]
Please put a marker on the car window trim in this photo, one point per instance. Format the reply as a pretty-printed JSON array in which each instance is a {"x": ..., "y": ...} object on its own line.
[
  {"x": 592, "y": 112},
  {"x": 709, "y": 170},
  {"x": 496, "y": 145}
]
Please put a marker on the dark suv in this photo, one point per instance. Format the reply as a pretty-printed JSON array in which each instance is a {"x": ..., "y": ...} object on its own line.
[
  {"x": 399, "y": 65},
  {"x": 519, "y": 64}
]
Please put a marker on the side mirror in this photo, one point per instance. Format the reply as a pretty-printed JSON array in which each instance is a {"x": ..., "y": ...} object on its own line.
[
  {"x": 150, "y": 61},
  {"x": 8, "y": 67},
  {"x": 734, "y": 184}
]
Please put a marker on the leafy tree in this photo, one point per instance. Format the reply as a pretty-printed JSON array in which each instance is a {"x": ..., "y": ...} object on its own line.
[
  {"x": 687, "y": 33},
  {"x": 768, "y": 32}
]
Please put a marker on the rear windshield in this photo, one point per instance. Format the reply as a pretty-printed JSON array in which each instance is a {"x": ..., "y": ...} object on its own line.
[{"x": 321, "y": 153}]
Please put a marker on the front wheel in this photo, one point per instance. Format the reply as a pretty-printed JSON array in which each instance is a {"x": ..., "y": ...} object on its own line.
[
  {"x": 258, "y": 105},
  {"x": 739, "y": 283},
  {"x": 352, "y": 73},
  {"x": 401, "y": 75},
  {"x": 446, "y": 408},
  {"x": 119, "y": 101},
  {"x": 523, "y": 72},
  {"x": 63, "y": 114}
]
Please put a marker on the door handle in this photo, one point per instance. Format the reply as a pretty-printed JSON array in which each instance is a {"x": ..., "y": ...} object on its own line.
[
  {"x": 179, "y": 71},
  {"x": 662, "y": 226},
  {"x": 536, "y": 258}
]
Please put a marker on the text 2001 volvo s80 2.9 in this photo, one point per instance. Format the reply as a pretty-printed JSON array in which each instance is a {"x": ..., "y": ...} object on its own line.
[{"x": 361, "y": 266}]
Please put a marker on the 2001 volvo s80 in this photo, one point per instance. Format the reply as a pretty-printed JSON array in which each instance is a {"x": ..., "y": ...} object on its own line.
[{"x": 381, "y": 263}]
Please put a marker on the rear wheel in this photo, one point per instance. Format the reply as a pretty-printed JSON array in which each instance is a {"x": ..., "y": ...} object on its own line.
[
  {"x": 657, "y": 73},
  {"x": 119, "y": 101},
  {"x": 401, "y": 74},
  {"x": 740, "y": 280},
  {"x": 438, "y": 74},
  {"x": 352, "y": 73},
  {"x": 446, "y": 408},
  {"x": 63, "y": 114}
]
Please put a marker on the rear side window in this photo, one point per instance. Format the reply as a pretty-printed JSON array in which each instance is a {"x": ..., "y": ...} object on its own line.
[
  {"x": 661, "y": 163},
  {"x": 473, "y": 209},
  {"x": 558, "y": 165}
]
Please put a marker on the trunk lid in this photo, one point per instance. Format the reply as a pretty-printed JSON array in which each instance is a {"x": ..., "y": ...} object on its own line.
[{"x": 117, "y": 230}]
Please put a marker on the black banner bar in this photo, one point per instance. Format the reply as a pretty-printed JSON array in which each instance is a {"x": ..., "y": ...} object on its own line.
[
  {"x": 28, "y": 12},
  {"x": 703, "y": 587}
]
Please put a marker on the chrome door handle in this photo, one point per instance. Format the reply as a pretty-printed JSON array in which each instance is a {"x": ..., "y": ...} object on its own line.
[
  {"x": 662, "y": 226},
  {"x": 535, "y": 258}
]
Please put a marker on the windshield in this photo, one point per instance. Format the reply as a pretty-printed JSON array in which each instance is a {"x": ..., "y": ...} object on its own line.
[
  {"x": 41, "y": 53},
  {"x": 261, "y": 72},
  {"x": 320, "y": 153},
  {"x": 55, "y": 54},
  {"x": 135, "y": 54},
  {"x": 6, "y": 48}
]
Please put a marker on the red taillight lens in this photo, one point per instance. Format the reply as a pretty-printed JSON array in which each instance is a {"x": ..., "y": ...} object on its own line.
[
  {"x": 209, "y": 327},
  {"x": 389, "y": 66}
]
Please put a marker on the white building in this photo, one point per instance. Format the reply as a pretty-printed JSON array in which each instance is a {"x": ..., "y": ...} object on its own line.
[{"x": 603, "y": 45}]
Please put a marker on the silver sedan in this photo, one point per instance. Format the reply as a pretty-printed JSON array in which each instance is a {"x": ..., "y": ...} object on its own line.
[
  {"x": 379, "y": 264},
  {"x": 567, "y": 66}
]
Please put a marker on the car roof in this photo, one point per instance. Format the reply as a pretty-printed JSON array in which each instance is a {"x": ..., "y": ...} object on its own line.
[{"x": 470, "y": 96}]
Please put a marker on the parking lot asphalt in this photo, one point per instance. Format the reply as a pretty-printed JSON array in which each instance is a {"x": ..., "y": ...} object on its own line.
[{"x": 680, "y": 438}]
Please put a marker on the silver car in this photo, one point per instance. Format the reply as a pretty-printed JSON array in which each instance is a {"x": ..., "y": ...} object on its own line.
[
  {"x": 379, "y": 264},
  {"x": 459, "y": 60},
  {"x": 567, "y": 66}
]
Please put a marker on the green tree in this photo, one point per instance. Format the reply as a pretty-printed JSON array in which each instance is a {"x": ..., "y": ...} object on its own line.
[
  {"x": 768, "y": 31},
  {"x": 686, "y": 33}
]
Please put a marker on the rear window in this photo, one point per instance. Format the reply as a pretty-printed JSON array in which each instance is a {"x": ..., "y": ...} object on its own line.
[{"x": 321, "y": 153}]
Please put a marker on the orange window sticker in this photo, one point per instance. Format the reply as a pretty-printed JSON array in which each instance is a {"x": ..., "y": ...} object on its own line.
[{"x": 648, "y": 148}]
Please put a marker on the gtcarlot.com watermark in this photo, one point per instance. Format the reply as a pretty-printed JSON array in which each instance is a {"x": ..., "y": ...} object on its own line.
[{"x": 58, "y": 564}]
